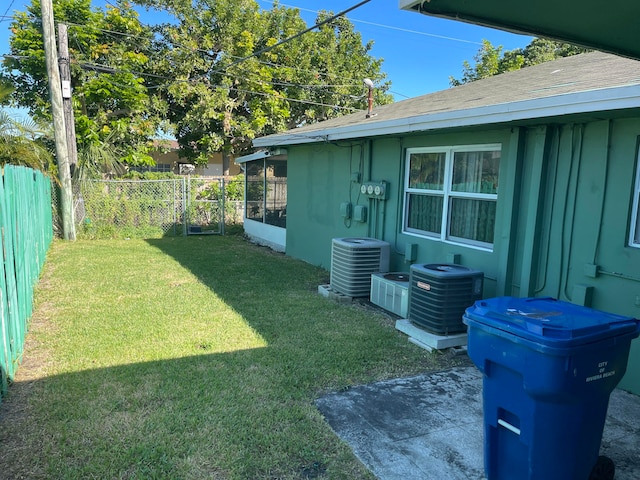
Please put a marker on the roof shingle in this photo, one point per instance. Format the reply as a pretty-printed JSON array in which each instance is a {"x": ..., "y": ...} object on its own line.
[{"x": 587, "y": 72}]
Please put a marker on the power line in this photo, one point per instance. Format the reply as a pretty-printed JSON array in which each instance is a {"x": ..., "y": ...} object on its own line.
[
  {"x": 101, "y": 68},
  {"x": 297, "y": 35},
  {"x": 267, "y": 63},
  {"x": 390, "y": 27},
  {"x": 109, "y": 69},
  {"x": 106, "y": 69},
  {"x": 5, "y": 17}
]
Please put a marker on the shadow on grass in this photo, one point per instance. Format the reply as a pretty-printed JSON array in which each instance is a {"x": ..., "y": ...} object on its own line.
[
  {"x": 239, "y": 413},
  {"x": 206, "y": 416}
]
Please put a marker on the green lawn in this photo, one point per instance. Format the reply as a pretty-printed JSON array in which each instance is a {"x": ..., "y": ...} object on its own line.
[{"x": 190, "y": 358}]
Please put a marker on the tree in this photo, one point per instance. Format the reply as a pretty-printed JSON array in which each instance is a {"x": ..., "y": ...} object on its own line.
[
  {"x": 542, "y": 50},
  {"x": 232, "y": 81},
  {"x": 23, "y": 142},
  {"x": 217, "y": 74},
  {"x": 109, "y": 51},
  {"x": 491, "y": 60}
]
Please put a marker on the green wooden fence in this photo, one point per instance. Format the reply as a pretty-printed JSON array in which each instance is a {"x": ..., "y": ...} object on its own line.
[{"x": 26, "y": 231}]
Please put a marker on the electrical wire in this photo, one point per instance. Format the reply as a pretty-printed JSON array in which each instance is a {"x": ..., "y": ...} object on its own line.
[
  {"x": 105, "y": 69},
  {"x": 6, "y": 17},
  {"x": 297, "y": 35},
  {"x": 108, "y": 69},
  {"x": 390, "y": 27},
  {"x": 357, "y": 82},
  {"x": 557, "y": 137}
]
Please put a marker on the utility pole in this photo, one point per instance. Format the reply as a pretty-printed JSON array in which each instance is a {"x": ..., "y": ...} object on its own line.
[
  {"x": 62, "y": 153},
  {"x": 65, "y": 77}
]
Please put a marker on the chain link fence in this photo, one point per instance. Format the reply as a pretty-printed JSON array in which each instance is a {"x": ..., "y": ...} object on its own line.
[{"x": 152, "y": 208}]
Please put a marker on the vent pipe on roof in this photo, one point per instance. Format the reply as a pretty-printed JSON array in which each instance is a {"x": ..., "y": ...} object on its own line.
[{"x": 369, "y": 85}]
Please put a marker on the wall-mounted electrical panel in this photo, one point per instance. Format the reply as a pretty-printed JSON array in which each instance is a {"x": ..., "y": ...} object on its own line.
[
  {"x": 345, "y": 210},
  {"x": 377, "y": 190},
  {"x": 360, "y": 213}
]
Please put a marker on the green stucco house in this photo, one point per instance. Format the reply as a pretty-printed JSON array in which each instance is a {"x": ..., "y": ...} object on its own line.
[{"x": 531, "y": 177}]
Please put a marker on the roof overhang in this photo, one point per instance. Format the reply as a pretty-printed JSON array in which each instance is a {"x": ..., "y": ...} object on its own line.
[
  {"x": 587, "y": 102},
  {"x": 610, "y": 26},
  {"x": 260, "y": 154}
]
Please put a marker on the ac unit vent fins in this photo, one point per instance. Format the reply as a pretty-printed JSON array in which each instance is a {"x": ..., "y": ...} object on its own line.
[
  {"x": 439, "y": 295},
  {"x": 353, "y": 260},
  {"x": 391, "y": 292}
]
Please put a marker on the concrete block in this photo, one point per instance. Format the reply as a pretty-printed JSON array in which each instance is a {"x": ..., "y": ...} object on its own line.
[
  {"x": 436, "y": 342},
  {"x": 326, "y": 291}
]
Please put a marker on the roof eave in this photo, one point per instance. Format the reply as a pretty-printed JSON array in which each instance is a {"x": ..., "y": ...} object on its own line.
[{"x": 616, "y": 98}]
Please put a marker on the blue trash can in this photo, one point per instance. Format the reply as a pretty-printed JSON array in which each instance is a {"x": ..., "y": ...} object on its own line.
[{"x": 549, "y": 368}]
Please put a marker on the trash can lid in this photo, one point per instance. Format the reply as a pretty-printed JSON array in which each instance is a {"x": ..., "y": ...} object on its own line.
[{"x": 549, "y": 321}]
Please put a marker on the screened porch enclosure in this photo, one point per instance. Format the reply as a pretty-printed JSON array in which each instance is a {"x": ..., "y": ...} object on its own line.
[{"x": 266, "y": 196}]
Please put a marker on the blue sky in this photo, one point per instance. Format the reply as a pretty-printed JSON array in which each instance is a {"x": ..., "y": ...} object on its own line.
[{"x": 419, "y": 52}]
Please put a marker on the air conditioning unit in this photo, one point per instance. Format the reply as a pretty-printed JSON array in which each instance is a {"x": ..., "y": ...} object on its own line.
[
  {"x": 353, "y": 260},
  {"x": 391, "y": 292},
  {"x": 440, "y": 293}
]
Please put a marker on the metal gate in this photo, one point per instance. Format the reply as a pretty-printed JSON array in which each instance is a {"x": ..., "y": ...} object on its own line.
[
  {"x": 148, "y": 208},
  {"x": 205, "y": 206}
]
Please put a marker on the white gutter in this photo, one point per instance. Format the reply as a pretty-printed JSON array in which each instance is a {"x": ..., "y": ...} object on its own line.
[
  {"x": 615, "y": 98},
  {"x": 254, "y": 156},
  {"x": 261, "y": 154}
]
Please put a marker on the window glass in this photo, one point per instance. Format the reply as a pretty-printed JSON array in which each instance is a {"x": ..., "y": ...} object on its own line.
[
  {"x": 472, "y": 219},
  {"x": 451, "y": 193},
  {"x": 266, "y": 199},
  {"x": 636, "y": 236},
  {"x": 426, "y": 170},
  {"x": 425, "y": 213},
  {"x": 475, "y": 172}
]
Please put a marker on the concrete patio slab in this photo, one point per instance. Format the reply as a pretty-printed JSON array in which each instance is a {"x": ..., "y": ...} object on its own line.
[{"x": 431, "y": 427}]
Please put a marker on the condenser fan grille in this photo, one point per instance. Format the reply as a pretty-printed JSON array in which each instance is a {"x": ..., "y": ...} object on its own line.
[
  {"x": 439, "y": 295},
  {"x": 353, "y": 260}
]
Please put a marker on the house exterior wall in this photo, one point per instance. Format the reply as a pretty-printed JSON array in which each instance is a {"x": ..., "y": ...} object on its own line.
[
  {"x": 172, "y": 160},
  {"x": 562, "y": 214},
  {"x": 571, "y": 240}
]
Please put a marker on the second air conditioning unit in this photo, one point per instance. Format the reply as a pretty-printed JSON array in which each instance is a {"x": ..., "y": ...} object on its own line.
[
  {"x": 353, "y": 260},
  {"x": 439, "y": 294},
  {"x": 391, "y": 292}
]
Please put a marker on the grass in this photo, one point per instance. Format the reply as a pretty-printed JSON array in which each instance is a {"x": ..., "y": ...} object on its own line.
[{"x": 190, "y": 358}]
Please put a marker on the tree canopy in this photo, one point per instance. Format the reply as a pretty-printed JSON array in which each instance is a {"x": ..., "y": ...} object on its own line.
[
  {"x": 23, "y": 142},
  {"x": 491, "y": 60},
  {"x": 108, "y": 49},
  {"x": 235, "y": 78},
  {"x": 215, "y": 75}
]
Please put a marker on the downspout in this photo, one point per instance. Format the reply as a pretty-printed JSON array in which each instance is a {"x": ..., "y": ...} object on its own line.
[
  {"x": 549, "y": 215},
  {"x": 573, "y": 211},
  {"x": 539, "y": 144},
  {"x": 605, "y": 178}
]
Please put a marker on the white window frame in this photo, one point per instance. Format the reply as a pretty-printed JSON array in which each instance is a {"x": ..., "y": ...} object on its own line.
[
  {"x": 447, "y": 193},
  {"x": 634, "y": 230}
]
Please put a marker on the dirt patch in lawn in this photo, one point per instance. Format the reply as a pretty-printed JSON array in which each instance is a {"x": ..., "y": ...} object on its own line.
[{"x": 17, "y": 441}]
